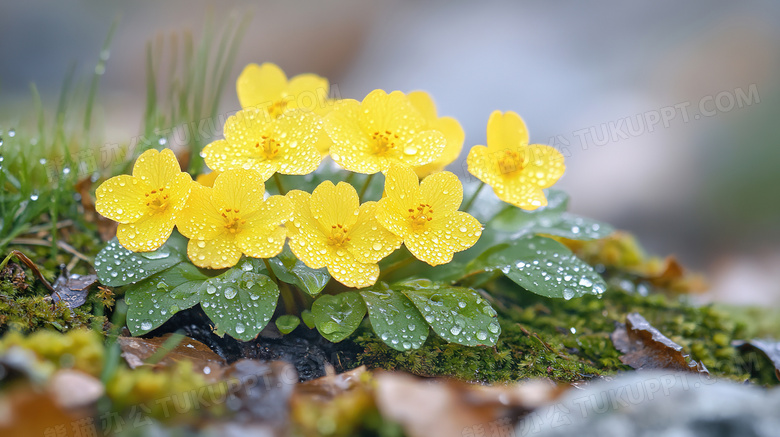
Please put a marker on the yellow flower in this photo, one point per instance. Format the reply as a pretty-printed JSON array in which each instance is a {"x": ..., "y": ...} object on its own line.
[
  {"x": 146, "y": 204},
  {"x": 385, "y": 128},
  {"x": 426, "y": 215},
  {"x": 252, "y": 141},
  {"x": 331, "y": 229},
  {"x": 207, "y": 179},
  {"x": 266, "y": 87},
  {"x": 232, "y": 218},
  {"x": 448, "y": 126},
  {"x": 516, "y": 170}
]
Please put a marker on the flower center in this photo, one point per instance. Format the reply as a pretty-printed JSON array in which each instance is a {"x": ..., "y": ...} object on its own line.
[
  {"x": 421, "y": 215},
  {"x": 383, "y": 142},
  {"x": 233, "y": 220},
  {"x": 267, "y": 148},
  {"x": 510, "y": 162},
  {"x": 338, "y": 236},
  {"x": 157, "y": 200}
]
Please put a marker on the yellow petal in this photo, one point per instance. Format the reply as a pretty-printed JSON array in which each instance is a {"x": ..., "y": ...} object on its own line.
[
  {"x": 544, "y": 165},
  {"x": 148, "y": 233},
  {"x": 443, "y": 238},
  {"x": 263, "y": 236},
  {"x": 521, "y": 195},
  {"x": 262, "y": 244},
  {"x": 401, "y": 186},
  {"x": 394, "y": 112},
  {"x": 506, "y": 131},
  {"x": 179, "y": 191},
  {"x": 351, "y": 148},
  {"x": 442, "y": 191},
  {"x": 307, "y": 240},
  {"x": 370, "y": 242},
  {"x": 158, "y": 169},
  {"x": 400, "y": 196},
  {"x": 202, "y": 217},
  {"x": 207, "y": 179},
  {"x": 218, "y": 253},
  {"x": 296, "y": 134},
  {"x": 240, "y": 190},
  {"x": 424, "y": 104},
  {"x": 423, "y": 148},
  {"x": 454, "y": 137},
  {"x": 122, "y": 199},
  {"x": 483, "y": 165},
  {"x": 309, "y": 92},
  {"x": 346, "y": 269},
  {"x": 335, "y": 205},
  {"x": 260, "y": 85}
]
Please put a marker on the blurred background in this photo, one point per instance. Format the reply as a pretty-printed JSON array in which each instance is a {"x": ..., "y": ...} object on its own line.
[{"x": 667, "y": 112}]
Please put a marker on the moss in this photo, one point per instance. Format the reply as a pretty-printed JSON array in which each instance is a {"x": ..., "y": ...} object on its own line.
[
  {"x": 25, "y": 306},
  {"x": 569, "y": 340}
]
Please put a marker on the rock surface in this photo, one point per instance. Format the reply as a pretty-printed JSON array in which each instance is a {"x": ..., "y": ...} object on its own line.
[{"x": 659, "y": 404}]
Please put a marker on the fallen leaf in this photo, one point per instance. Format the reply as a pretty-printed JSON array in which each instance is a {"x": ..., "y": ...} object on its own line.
[
  {"x": 439, "y": 408},
  {"x": 26, "y": 411},
  {"x": 72, "y": 289},
  {"x": 644, "y": 347},
  {"x": 137, "y": 350},
  {"x": 769, "y": 348},
  {"x": 335, "y": 404}
]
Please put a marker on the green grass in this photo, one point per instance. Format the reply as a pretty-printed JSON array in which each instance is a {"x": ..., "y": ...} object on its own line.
[{"x": 46, "y": 153}]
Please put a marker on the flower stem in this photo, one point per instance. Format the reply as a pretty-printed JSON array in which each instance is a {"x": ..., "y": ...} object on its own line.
[
  {"x": 393, "y": 267},
  {"x": 473, "y": 197},
  {"x": 289, "y": 300},
  {"x": 365, "y": 185},
  {"x": 349, "y": 177},
  {"x": 279, "y": 185}
]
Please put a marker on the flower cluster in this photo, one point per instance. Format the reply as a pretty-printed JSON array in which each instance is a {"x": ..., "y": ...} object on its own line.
[{"x": 288, "y": 127}]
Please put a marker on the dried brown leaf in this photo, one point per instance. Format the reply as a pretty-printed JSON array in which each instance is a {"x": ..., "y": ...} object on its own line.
[
  {"x": 644, "y": 347},
  {"x": 72, "y": 289},
  {"x": 137, "y": 350}
]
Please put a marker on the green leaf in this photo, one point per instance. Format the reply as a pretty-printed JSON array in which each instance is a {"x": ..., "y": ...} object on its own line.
[
  {"x": 116, "y": 266},
  {"x": 337, "y": 316},
  {"x": 287, "y": 323},
  {"x": 308, "y": 319},
  {"x": 575, "y": 227},
  {"x": 153, "y": 301},
  {"x": 239, "y": 302},
  {"x": 293, "y": 271},
  {"x": 395, "y": 319},
  {"x": 543, "y": 266},
  {"x": 457, "y": 314},
  {"x": 513, "y": 223}
]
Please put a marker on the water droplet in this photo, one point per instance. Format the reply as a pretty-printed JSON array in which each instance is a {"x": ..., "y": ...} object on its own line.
[
  {"x": 585, "y": 282},
  {"x": 482, "y": 335},
  {"x": 240, "y": 328},
  {"x": 146, "y": 325},
  {"x": 230, "y": 293},
  {"x": 377, "y": 246},
  {"x": 34, "y": 196},
  {"x": 210, "y": 289},
  {"x": 568, "y": 293},
  {"x": 455, "y": 330}
]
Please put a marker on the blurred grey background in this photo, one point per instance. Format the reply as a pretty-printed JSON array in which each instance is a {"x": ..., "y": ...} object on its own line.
[{"x": 706, "y": 189}]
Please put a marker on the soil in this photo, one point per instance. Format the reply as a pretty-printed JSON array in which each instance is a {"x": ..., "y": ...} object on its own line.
[{"x": 305, "y": 348}]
